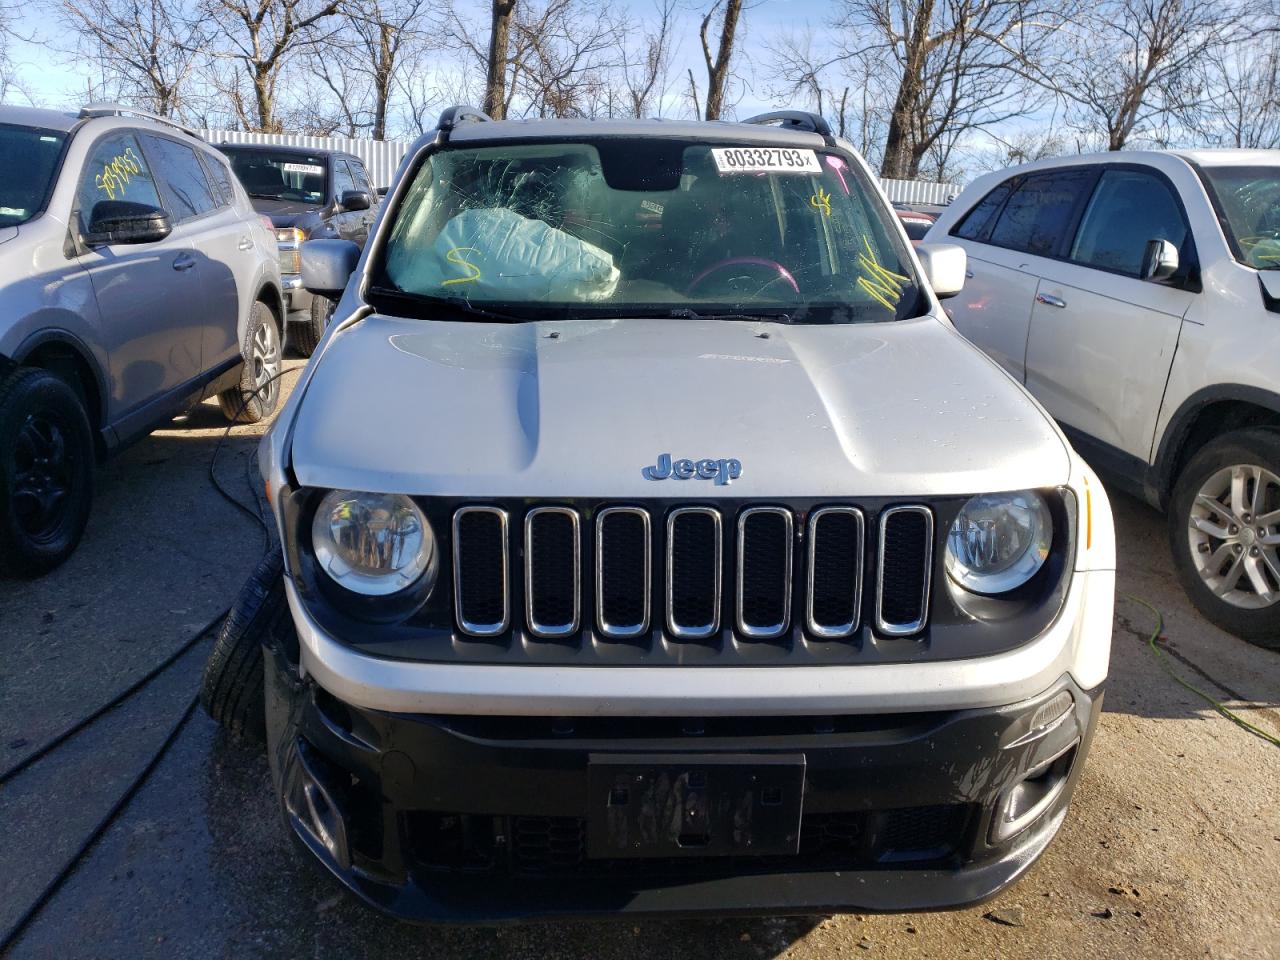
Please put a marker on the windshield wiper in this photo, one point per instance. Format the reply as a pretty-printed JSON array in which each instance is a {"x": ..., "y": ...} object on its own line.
[
  {"x": 459, "y": 304},
  {"x": 684, "y": 313}
]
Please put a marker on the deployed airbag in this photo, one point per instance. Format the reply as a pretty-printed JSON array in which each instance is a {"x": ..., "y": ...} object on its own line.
[{"x": 496, "y": 254}]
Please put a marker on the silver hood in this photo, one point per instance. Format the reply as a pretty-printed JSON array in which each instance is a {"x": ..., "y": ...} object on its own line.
[{"x": 579, "y": 408}]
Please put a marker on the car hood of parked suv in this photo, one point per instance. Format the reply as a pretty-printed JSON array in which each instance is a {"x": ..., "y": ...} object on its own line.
[
  {"x": 579, "y": 408},
  {"x": 285, "y": 213}
]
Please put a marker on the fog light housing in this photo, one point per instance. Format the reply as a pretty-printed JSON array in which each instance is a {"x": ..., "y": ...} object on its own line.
[{"x": 1027, "y": 800}]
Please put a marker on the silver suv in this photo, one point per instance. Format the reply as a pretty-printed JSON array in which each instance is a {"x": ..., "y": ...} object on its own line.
[
  {"x": 135, "y": 280},
  {"x": 653, "y": 543}
]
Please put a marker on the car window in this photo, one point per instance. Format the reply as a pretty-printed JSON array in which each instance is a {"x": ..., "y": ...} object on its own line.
[
  {"x": 360, "y": 177},
  {"x": 1128, "y": 208},
  {"x": 1037, "y": 216},
  {"x": 183, "y": 184},
  {"x": 342, "y": 179},
  {"x": 974, "y": 223},
  {"x": 220, "y": 176},
  {"x": 117, "y": 170},
  {"x": 30, "y": 157}
]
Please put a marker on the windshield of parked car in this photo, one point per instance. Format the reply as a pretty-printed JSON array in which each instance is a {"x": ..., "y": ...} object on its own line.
[
  {"x": 30, "y": 159},
  {"x": 1248, "y": 201},
  {"x": 647, "y": 228},
  {"x": 283, "y": 176}
]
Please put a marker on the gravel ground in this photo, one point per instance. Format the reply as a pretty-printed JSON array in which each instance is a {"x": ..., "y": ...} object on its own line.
[{"x": 1171, "y": 848}]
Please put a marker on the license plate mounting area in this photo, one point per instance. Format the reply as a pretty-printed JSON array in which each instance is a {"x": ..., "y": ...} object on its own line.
[{"x": 694, "y": 805}]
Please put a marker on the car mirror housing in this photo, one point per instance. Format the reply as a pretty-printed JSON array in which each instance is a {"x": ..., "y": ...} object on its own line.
[
  {"x": 353, "y": 200},
  {"x": 327, "y": 265},
  {"x": 124, "y": 221},
  {"x": 944, "y": 267},
  {"x": 1159, "y": 261}
]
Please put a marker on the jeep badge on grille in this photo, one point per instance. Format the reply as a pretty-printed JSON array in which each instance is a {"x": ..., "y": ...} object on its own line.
[{"x": 723, "y": 471}]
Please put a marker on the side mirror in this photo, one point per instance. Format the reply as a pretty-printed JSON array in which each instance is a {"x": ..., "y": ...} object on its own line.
[
  {"x": 327, "y": 265},
  {"x": 382, "y": 191},
  {"x": 1159, "y": 261},
  {"x": 124, "y": 221},
  {"x": 353, "y": 200},
  {"x": 944, "y": 267}
]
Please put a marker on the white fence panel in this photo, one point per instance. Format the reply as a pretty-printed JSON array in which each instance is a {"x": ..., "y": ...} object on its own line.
[{"x": 382, "y": 158}]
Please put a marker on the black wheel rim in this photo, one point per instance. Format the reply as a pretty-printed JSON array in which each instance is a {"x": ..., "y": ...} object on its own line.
[{"x": 43, "y": 477}]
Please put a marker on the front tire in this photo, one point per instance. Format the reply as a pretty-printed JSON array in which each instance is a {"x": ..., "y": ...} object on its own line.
[
  {"x": 1224, "y": 529},
  {"x": 256, "y": 395},
  {"x": 308, "y": 333},
  {"x": 46, "y": 472},
  {"x": 231, "y": 690}
]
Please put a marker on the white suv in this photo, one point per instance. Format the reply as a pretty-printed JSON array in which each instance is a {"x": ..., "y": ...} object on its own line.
[
  {"x": 1137, "y": 295},
  {"x": 652, "y": 543}
]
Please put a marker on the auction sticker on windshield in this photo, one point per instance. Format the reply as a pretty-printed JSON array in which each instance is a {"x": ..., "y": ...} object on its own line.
[
  {"x": 765, "y": 160},
  {"x": 301, "y": 168}
]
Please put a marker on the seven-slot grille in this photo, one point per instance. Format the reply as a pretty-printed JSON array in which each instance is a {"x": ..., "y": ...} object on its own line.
[{"x": 683, "y": 566}]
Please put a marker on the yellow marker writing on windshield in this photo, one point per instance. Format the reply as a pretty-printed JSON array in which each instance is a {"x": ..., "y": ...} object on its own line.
[
  {"x": 881, "y": 284},
  {"x": 821, "y": 201},
  {"x": 455, "y": 257}
]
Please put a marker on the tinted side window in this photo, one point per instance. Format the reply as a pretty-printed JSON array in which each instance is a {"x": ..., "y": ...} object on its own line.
[
  {"x": 1038, "y": 214},
  {"x": 183, "y": 184},
  {"x": 342, "y": 180},
  {"x": 1128, "y": 208},
  {"x": 975, "y": 221},
  {"x": 221, "y": 179},
  {"x": 360, "y": 177},
  {"x": 116, "y": 170}
]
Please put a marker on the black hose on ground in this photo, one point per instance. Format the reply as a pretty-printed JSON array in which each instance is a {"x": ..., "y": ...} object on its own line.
[{"x": 12, "y": 934}]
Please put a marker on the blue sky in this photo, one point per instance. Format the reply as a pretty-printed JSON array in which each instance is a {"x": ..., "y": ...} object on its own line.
[{"x": 56, "y": 79}]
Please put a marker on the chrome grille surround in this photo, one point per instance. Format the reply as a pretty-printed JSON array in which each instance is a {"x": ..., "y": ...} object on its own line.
[
  {"x": 906, "y": 628},
  {"x": 616, "y": 631},
  {"x": 467, "y": 627},
  {"x": 552, "y": 631},
  {"x": 694, "y": 631},
  {"x": 773, "y": 630},
  {"x": 842, "y": 630}
]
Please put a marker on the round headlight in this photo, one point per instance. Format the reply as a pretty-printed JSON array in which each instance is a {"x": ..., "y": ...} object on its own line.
[
  {"x": 998, "y": 541},
  {"x": 374, "y": 544}
]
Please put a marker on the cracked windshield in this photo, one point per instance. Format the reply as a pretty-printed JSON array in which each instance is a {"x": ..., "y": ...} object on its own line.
[{"x": 648, "y": 228}]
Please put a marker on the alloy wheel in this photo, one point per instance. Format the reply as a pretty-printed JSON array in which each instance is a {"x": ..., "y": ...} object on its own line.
[
  {"x": 265, "y": 356},
  {"x": 1234, "y": 534},
  {"x": 43, "y": 476}
]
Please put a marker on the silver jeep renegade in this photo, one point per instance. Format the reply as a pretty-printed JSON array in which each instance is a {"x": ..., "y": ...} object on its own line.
[{"x": 653, "y": 543}]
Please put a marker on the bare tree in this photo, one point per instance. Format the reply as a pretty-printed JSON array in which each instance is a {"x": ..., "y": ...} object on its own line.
[
  {"x": 1131, "y": 66},
  {"x": 644, "y": 73},
  {"x": 1241, "y": 104},
  {"x": 835, "y": 89},
  {"x": 262, "y": 36},
  {"x": 718, "y": 65},
  {"x": 956, "y": 65},
  {"x": 564, "y": 53},
  {"x": 498, "y": 59},
  {"x": 146, "y": 50}
]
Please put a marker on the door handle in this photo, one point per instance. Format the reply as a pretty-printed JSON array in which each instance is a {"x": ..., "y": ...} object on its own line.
[
  {"x": 245, "y": 243},
  {"x": 1049, "y": 300},
  {"x": 968, "y": 274},
  {"x": 183, "y": 261}
]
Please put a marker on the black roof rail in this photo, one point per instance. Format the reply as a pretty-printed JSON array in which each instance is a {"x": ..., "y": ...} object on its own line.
[
  {"x": 120, "y": 110},
  {"x": 796, "y": 120},
  {"x": 452, "y": 116}
]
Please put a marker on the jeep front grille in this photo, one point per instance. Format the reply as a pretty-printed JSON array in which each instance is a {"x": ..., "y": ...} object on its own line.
[
  {"x": 835, "y": 572},
  {"x": 480, "y": 551},
  {"x": 906, "y": 556},
  {"x": 623, "y": 572},
  {"x": 765, "y": 547},
  {"x": 694, "y": 572},
  {"x": 636, "y": 569}
]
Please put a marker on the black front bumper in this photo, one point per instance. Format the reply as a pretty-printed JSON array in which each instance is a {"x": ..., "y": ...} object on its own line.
[{"x": 482, "y": 819}]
